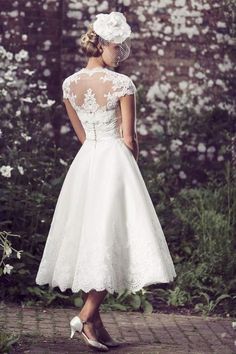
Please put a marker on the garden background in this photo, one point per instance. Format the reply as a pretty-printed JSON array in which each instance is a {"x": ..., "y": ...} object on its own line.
[{"x": 183, "y": 64}]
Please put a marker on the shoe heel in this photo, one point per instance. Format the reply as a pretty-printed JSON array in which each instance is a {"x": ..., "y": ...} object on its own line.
[
  {"x": 72, "y": 332},
  {"x": 75, "y": 325}
]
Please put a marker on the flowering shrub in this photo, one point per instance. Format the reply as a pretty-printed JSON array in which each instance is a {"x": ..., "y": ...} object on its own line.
[
  {"x": 191, "y": 133},
  {"x": 7, "y": 251},
  {"x": 32, "y": 169},
  {"x": 25, "y": 163}
]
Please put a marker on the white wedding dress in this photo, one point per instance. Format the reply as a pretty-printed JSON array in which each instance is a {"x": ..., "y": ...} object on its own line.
[{"x": 105, "y": 233}]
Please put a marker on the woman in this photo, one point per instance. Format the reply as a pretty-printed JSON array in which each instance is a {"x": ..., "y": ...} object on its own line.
[{"x": 105, "y": 235}]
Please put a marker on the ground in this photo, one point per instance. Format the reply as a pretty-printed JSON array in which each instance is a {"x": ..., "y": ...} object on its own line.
[{"x": 46, "y": 330}]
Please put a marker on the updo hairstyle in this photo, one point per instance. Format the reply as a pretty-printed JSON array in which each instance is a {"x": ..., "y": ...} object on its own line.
[{"x": 89, "y": 43}]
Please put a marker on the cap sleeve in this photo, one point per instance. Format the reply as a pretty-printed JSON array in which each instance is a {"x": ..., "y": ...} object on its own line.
[
  {"x": 128, "y": 88},
  {"x": 65, "y": 88}
]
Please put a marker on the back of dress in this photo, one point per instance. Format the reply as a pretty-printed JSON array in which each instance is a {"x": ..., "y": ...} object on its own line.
[{"x": 94, "y": 94}]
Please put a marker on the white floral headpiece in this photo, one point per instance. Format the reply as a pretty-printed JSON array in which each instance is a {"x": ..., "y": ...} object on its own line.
[{"x": 112, "y": 27}]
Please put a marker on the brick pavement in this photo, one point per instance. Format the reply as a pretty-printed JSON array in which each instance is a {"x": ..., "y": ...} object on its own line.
[{"x": 46, "y": 330}]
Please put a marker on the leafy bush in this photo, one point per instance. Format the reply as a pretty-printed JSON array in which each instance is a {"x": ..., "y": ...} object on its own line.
[{"x": 205, "y": 263}]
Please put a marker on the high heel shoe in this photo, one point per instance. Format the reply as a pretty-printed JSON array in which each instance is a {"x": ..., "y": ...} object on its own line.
[
  {"x": 109, "y": 343},
  {"x": 76, "y": 324}
]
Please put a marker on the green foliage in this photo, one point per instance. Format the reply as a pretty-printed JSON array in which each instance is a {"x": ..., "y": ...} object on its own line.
[
  {"x": 126, "y": 300},
  {"x": 177, "y": 297},
  {"x": 47, "y": 297},
  {"x": 205, "y": 263},
  {"x": 207, "y": 305},
  {"x": 6, "y": 341}
]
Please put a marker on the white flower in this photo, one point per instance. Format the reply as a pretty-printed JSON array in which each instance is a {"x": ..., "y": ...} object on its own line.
[
  {"x": 112, "y": 27},
  {"x": 28, "y": 72},
  {"x": 143, "y": 153},
  {"x": 64, "y": 129},
  {"x": 6, "y": 171},
  {"x": 182, "y": 175},
  {"x": 3, "y": 51},
  {"x": 23, "y": 54},
  {"x": 171, "y": 95},
  {"x": 50, "y": 102},
  {"x": 183, "y": 85},
  {"x": 211, "y": 149},
  {"x": 4, "y": 92},
  {"x": 18, "y": 254},
  {"x": 27, "y": 99},
  {"x": 201, "y": 147},
  {"x": 220, "y": 158},
  {"x": 9, "y": 56},
  {"x": 190, "y": 148},
  {"x": 161, "y": 175},
  {"x": 20, "y": 169},
  {"x": 7, "y": 269},
  {"x": 25, "y": 136},
  {"x": 63, "y": 162},
  {"x": 175, "y": 143}
]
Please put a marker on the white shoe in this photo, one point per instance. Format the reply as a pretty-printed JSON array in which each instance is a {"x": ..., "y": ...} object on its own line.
[{"x": 76, "y": 324}]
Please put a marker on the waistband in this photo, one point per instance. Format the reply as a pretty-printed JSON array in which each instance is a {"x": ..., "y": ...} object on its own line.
[{"x": 103, "y": 138}]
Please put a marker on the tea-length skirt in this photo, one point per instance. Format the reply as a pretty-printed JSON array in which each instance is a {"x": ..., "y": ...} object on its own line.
[{"x": 105, "y": 233}]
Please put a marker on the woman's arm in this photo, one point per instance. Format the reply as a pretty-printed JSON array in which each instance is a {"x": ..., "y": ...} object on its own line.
[
  {"x": 76, "y": 123},
  {"x": 128, "y": 113}
]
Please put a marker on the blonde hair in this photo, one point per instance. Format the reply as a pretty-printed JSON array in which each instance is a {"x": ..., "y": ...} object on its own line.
[{"x": 89, "y": 43}]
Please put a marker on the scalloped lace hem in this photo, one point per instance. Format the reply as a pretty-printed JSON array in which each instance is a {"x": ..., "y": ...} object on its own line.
[{"x": 111, "y": 290}]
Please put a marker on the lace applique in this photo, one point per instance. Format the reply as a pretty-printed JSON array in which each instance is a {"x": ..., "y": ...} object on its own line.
[
  {"x": 121, "y": 85},
  {"x": 90, "y": 105},
  {"x": 94, "y": 94},
  {"x": 144, "y": 261}
]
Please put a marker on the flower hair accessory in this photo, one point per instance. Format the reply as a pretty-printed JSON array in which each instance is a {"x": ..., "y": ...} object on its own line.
[{"x": 112, "y": 27}]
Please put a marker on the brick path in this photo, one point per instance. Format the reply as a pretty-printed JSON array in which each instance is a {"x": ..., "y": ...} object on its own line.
[{"x": 46, "y": 331}]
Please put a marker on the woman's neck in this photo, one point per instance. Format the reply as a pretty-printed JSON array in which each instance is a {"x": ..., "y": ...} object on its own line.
[{"x": 94, "y": 62}]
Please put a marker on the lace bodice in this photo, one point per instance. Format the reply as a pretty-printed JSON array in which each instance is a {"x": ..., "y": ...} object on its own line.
[{"x": 94, "y": 94}]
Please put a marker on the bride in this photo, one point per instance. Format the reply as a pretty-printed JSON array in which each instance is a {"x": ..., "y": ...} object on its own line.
[{"x": 105, "y": 235}]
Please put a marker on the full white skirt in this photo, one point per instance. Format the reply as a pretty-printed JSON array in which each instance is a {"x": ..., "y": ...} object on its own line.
[{"x": 105, "y": 233}]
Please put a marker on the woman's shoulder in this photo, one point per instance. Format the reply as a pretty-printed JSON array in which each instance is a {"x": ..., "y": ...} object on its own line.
[
  {"x": 123, "y": 79},
  {"x": 66, "y": 85},
  {"x": 69, "y": 78},
  {"x": 118, "y": 74},
  {"x": 122, "y": 83}
]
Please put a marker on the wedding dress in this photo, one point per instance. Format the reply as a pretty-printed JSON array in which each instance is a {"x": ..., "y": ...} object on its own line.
[{"x": 105, "y": 233}]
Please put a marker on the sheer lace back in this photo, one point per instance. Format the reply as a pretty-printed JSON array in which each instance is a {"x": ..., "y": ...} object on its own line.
[{"x": 94, "y": 94}]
